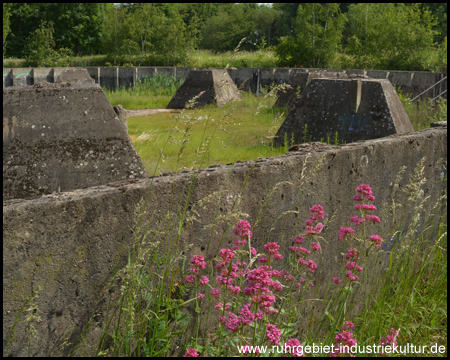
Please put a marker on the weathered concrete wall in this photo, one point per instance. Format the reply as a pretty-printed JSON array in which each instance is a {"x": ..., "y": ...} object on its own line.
[
  {"x": 357, "y": 109},
  {"x": 68, "y": 243},
  {"x": 217, "y": 88},
  {"x": 413, "y": 82},
  {"x": 60, "y": 137}
]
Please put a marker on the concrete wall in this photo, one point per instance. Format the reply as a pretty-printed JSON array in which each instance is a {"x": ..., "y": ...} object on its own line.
[
  {"x": 249, "y": 78},
  {"x": 60, "y": 137},
  {"x": 68, "y": 243}
]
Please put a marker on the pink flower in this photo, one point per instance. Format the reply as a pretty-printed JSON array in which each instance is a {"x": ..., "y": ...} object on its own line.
[
  {"x": 377, "y": 239},
  {"x": 198, "y": 261},
  {"x": 221, "y": 306},
  {"x": 216, "y": 293},
  {"x": 351, "y": 276},
  {"x": 278, "y": 257},
  {"x": 315, "y": 247},
  {"x": 263, "y": 259},
  {"x": 358, "y": 197},
  {"x": 367, "y": 207},
  {"x": 299, "y": 239},
  {"x": 204, "y": 280},
  {"x": 337, "y": 280},
  {"x": 272, "y": 248},
  {"x": 348, "y": 325},
  {"x": 356, "y": 221},
  {"x": 226, "y": 255},
  {"x": 373, "y": 218},
  {"x": 200, "y": 295},
  {"x": 345, "y": 338},
  {"x": 253, "y": 251},
  {"x": 352, "y": 253},
  {"x": 314, "y": 231},
  {"x": 189, "y": 279},
  {"x": 364, "y": 189},
  {"x": 390, "y": 339},
  {"x": 233, "y": 323},
  {"x": 273, "y": 334},
  {"x": 294, "y": 348},
  {"x": 344, "y": 231},
  {"x": 312, "y": 266},
  {"x": 243, "y": 230},
  {"x": 234, "y": 289},
  {"x": 317, "y": 211},
  {"x": 191, "y": 352}
]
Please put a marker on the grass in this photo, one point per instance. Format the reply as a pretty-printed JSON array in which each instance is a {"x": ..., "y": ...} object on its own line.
[
  {"x": 148, "y": 93},
  {"x": 233, "y": 138}
]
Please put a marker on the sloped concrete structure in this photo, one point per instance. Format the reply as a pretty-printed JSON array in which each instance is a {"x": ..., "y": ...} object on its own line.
[
  {"x": 60, "y": 137},
  {"x": 355, "y": 109},
  {"x": 70, "y": 243},
  {"x": 298, "y": 82},
  {"x": 216, "y": 85}
]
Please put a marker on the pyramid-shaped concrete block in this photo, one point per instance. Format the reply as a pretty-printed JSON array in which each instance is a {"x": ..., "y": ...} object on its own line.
[
  {"x": 298, "y": 81},
  {"x": 215, "y": 87},
  {"x": 355, "y": 109},
  {"x": 61, "y": 137}
]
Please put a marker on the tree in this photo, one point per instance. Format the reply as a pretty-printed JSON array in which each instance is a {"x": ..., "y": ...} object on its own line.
[
  {"x": 6, "y": 22},
  {"x": 390, "y": 36},
  {"x": 317, "y": 36}
]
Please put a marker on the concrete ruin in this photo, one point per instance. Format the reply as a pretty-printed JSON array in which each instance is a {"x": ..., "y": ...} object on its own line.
[
  {"x": 63, "y": 136},
  {"x": 354, "y": 109},
  {"x": 71, "y": 243},
  {"x": 215, "y": 87},
  {"x": 298, "y": 81}
]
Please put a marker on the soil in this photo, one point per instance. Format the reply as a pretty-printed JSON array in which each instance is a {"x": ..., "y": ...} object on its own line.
[{"x": 147, "y": 112}]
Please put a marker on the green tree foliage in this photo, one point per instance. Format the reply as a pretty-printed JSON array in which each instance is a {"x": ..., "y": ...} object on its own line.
[
  {"x": 76, "y": 25},
  {"x": 40, "y": 48},
  {"x": 155, "y": 32},
  {"x": 6, "y": 22},
  {"x": 390, "y": 36},
  {"x": 317, "y": 36}
]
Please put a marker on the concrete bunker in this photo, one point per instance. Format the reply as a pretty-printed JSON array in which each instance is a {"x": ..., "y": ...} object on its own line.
[
  {"x": 215, "y": 85},
  {"x": 63, "y": 136},
  {"x": 299, "y": 80},
  {"x": 354, "y": 108}
]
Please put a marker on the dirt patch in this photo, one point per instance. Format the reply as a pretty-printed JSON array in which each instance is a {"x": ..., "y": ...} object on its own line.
[{"x": 147, "y": 112}]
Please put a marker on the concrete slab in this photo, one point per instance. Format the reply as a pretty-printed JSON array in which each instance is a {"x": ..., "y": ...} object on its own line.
[
  {"x": 217, "y": 87},
  {"x": 41, "y": 75},
  {"x": 74, "y": 75},
  {"x": 330, "y": 106},
  {"x": 109, "y": 77},
  {"x": 60, "y": 137},
  {"x": 22, "y": 76},
  {"x": 94, "y": 73},
  {"x": 145, "y": 72},
  {"x": 165, "y": 70},
  {"x": 377, "y": 74},
  {"x": 7, "y": 77},
  {"x": 127, "y": 77}
]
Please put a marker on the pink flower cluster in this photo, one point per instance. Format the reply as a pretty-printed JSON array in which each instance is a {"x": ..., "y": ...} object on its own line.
[
  {"x": 294, "y": 348},
  {"x": 199, "y": 263},
  {"x": 344, "y": 337},
  {"x": 191, "y": 352},
  {"x": 273, "y": 334},
  {"x": 390, "y": 339},
  {"x": 312, "y": 226}
]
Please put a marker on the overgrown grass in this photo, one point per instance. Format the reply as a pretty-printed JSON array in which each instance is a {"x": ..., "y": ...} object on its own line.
[
  {"x": 238, "y": 131},
  {"x": 148, "y": 93},
  {"x": 423, "y": 112}
]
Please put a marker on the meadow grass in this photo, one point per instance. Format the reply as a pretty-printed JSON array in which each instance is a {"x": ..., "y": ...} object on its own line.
[{"x": 242, "y": 137}]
